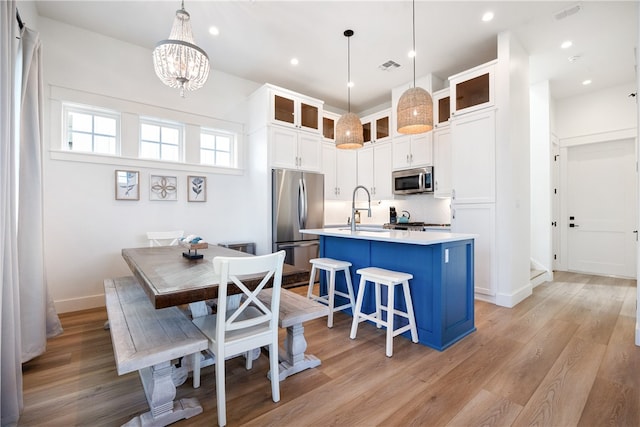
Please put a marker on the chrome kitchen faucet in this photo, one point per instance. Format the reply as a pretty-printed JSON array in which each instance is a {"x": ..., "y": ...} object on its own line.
[{"x": 353, "y": 206}]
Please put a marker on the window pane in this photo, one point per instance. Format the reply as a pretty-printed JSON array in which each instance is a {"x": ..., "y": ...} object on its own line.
[
  {"x": 223, "y": 159},
  {"x": 79, "y": 121},
  {"x": 105, "y": 126},
  {"x": 150, "y": 150},
  {"x": 104, "y": 144},
  {"x": 224, "y": 143},
  {"x": 149, "y": 132},
  {"x": 170, "y": 152},
  {"x": 207, "y": 157},
  {"x": 170, "y": 136},
  {"x": 207, "y": 141},
  {"x": 81, "y": 142}
]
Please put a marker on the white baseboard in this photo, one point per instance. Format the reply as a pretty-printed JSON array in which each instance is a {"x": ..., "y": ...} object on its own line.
[
  {"x": 547, "y": 276},
  {"x": 511, "y": 300},
  {"x": 77, "y": 304}
]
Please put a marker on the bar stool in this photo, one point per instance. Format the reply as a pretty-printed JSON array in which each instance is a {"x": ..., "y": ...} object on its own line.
[
  {"x": 389, "y": 278},
  {"x": 331, "y": 266}
]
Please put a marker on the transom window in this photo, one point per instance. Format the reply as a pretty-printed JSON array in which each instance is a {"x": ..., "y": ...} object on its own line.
[
  {"x": 160, "y": 140},
  {"x": 217, "y": 148},
  {"x": 91, "y": 130}
]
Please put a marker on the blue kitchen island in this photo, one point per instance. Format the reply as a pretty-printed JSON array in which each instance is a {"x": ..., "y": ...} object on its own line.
[{"x": 442, "y": 287}]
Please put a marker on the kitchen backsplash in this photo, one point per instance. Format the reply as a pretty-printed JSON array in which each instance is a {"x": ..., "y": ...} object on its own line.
[{"x": 422, "y": 207}]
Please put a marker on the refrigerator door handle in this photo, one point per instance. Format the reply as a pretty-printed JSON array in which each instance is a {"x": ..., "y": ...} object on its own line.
[
  {"x": 302, "y": 204},
  {"x": 296, "y": 245}
]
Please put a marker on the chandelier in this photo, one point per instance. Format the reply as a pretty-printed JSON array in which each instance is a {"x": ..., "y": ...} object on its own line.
[
  {"x": 178, "y": 62},
  {"x": 349, "y": 134},
  {"x": 415, "y": 106}
]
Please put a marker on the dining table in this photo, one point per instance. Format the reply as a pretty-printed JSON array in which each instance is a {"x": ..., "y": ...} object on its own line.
[{"x": 170, "y": 279}]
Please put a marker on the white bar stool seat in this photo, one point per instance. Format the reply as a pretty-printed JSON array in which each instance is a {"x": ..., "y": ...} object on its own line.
[
  {"x": 330, "y": 266},
  {"x": 389, "y": 278}
]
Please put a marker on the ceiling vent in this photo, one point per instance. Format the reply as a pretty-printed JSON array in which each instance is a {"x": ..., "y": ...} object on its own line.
[
  {"x": 389, "y": 66},
  {"x": 567, "y": 12}
]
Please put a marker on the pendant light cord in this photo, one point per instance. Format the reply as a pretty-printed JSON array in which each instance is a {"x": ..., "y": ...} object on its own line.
[
  {"x": 349, "y": 74},
  {"x": 413, "y": 12}
]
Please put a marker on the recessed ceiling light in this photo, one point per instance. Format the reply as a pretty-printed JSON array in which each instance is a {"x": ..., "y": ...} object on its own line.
[
  {"x": 214, "y": 31},
  {"x": 566, "y": 44},
  {"x": 488, "y": 16},
  {"x": 412, "y": 53},
  {"x": 294, "y": 61},
  {"x": 586, "y": 82}
]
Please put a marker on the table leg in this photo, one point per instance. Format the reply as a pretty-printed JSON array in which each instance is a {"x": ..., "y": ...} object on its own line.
[
  {"x": 160, "y": 391},
  {"x": 292, "y": 358}
]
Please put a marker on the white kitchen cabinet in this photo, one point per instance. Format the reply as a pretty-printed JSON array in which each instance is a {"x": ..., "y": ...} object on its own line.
[
  {"x": 374, "y": 170},
  {"x": 473, "y": 157},
  {"x": 412, "y": 151},
  {"x": 275, "y": 105},
  {"x": 473, "y": 89},
  {"x": 339, "y": 168},
  {"x": 375, "y": 127},
  {"x": 441, "y": 108},
  {"x": 293, "y": 149},
  {"x": 442, "y": 162},
  {"x": 479, "y": 219}
]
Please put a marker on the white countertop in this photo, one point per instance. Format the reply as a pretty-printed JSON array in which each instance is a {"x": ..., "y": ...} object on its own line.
[{"x": 395, "y": 236}]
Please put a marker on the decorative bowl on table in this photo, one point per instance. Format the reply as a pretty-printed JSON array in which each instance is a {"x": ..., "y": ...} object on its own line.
[{"x": 193, "y": 245}]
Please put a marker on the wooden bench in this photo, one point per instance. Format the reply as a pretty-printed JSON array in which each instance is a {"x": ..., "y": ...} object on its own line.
[
  {"x": 147, "y": 340},
  {"x": 294, "y": 310}
]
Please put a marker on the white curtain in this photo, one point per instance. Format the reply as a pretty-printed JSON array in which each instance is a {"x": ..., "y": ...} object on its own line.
[
  {"x": 27, "y": 315},
  {"x": 38, "y": 316},
  {"x": 10, "y": 346}
]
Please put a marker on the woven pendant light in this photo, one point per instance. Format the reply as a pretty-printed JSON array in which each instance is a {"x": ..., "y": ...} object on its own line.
[
  {"x": 415, "y": 107},
  {"x": 349, "y": 134}
]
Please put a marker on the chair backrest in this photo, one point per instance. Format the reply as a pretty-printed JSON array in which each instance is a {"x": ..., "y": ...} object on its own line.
[
  {"x": 233, "y": 270},
  {"x": 164, "y": 238}
]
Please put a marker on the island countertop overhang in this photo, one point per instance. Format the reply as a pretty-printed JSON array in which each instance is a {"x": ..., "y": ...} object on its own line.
[{"x": 395, "y": 236}]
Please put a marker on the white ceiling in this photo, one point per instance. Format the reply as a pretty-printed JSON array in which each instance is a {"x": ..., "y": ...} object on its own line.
[{"x": 258, "y": 38}]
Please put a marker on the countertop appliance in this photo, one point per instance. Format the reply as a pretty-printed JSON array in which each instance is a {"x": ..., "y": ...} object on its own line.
[
  {"x": 297, "y": 203},
  {"x": 413, "y": 181}
]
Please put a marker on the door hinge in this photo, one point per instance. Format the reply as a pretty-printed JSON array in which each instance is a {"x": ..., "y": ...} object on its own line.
[
  {"x": 554, "y": 223},
  {"x": 555, "y": 256}
]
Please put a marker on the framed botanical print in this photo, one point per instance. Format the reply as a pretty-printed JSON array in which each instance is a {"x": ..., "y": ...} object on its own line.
[
  {"x": 197, "y": 188},
  {"x": 127, "y": 185},
  {"x": 163, "y": 187}
]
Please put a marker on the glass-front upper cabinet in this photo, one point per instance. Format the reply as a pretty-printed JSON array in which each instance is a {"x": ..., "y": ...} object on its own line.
[
  {"x": 375, "y": 127},
  {"x": 441, "y": 108},
  {"x": 296, "y": 110},
  {"x": 329, "y": 121},
  {"x": 473, "y": 89}
]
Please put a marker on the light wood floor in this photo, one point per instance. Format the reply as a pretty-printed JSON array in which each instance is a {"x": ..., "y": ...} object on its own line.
[{"x": 563, "y": 357}]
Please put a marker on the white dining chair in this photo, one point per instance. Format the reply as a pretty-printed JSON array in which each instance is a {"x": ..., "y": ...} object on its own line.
[
  {"x": 164, "y": 238},
  {"x": 252, "y": 325}
]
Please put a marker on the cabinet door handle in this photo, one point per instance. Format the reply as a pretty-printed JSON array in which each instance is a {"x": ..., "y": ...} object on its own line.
[
  {"x": 436, "y": 185},
  {"x": 407, "y": 158},
  {"x": 453, "y": 193}
]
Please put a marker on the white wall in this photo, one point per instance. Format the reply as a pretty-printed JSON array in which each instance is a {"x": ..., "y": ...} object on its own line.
[
  {"x": 608, "y": 110},
  {"x": 85, "y": 228},
  {"x": 512, "y": 172}
]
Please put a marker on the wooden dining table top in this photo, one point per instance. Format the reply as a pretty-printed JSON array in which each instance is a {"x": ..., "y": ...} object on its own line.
[{"x": 169, "y": 279}]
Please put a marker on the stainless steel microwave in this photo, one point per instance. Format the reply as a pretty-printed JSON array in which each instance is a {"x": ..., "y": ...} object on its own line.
[{"x": 413, "y": 181}]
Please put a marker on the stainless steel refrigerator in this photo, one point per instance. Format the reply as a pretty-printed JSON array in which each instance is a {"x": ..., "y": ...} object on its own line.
[{"x": 297, "y": 203}]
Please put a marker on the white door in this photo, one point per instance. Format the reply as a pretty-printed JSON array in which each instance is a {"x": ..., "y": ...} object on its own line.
[{"x": 601, "y": 208}]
